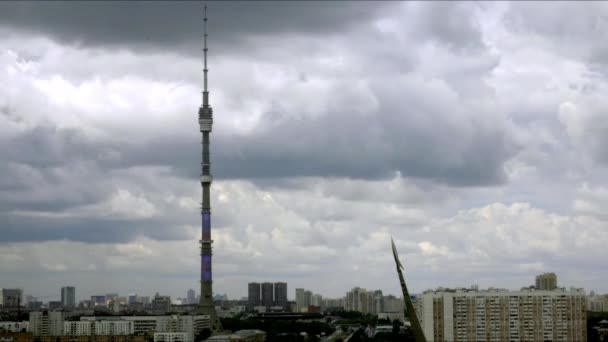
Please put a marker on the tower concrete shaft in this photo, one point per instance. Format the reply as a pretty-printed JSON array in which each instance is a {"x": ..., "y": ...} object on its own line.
[{"x": 205, "y": 121}]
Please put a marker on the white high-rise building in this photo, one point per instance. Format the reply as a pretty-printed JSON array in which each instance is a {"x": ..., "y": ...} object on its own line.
[
  {"x": 299, "y": 299},
  {"x": 191, "y": 297},
  {"x": 317, "y": 300},
  {"x": 501, "y": 315},
  {"x": 597, "y": 303},
  {"x": 392, "y": 304},
  {"x": 353, "y": 299},
  {"x": 307, "y": 299},
  {"x": 362, "y": 300},
  {"x": 333, "y": 303}
]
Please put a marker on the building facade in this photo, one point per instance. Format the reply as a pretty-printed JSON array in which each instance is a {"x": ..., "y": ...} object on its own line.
[
  {"x": 92, "y": 338},
  {"x": 597, "y": 303},
  {"x": 546, "y": 281},
  {"x": 68, "y": 296},
  {"x": 161, "y": 304},
  {"x": 191, "y": 297},
  {"x": 46, "y": 323},
  {"x": 501, "y": 315},
  {"x": 79, "y": 328},
  {"x": 307, "y": 298},
  {"x": 280, "y": 294},
  {"x": 15, "y": 326},
  {"x": 317, "y": 300},
  {"x": 300, "y": 299},
  {"x": 254, "y": 294},
  {"x": 128, "y": 325},
  {"x": 11, "y": 298},
  {"x": 172, "y": 337},
  {"x": 267, "y": 294},
  {"x": 333, "y": 303},
  {"x": 354, "y": 299},
  {"x": 114, "y": 328}
]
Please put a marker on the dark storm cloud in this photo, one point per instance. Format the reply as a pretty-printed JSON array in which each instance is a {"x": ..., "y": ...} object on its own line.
[
  {"x": 159, "y": 24},
  {"x": 417, "y": 142},
  {"x": 343, "y": 145},
  {"x": 351, "y": 146},
  {"x": 18, "y": 228},
  {"x": 449, "y": 22},
  {"x": 47, "y": 146}
]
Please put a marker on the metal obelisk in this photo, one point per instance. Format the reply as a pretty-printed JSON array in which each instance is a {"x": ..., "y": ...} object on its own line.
[{"x": 409, "y": 307}]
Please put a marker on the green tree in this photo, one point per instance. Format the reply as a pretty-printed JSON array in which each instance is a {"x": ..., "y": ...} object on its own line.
[
  {"x": 396, "y": 326},
  {"x": 202, "y": 335}
]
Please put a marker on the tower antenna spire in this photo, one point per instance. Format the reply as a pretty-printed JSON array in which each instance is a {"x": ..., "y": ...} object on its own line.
[{"x": 205, "y": 70}]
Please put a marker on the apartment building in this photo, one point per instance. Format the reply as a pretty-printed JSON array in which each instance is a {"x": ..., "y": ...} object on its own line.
[{"x": 501, "y": 315}]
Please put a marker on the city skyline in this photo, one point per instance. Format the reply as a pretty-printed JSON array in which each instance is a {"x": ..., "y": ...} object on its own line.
[
  {"x": 472, "y": 133},
  {"x": 256, "y": 288}
]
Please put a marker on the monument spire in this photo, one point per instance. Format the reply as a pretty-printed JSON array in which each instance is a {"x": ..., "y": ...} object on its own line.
[
  {"x": 409, "y": 307},
  {"x": 205, "y": 121}
]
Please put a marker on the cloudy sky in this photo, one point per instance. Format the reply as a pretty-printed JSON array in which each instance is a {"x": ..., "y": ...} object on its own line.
[{"x": 476, "y": 134}]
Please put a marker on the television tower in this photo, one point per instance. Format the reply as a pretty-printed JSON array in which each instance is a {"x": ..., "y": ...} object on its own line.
[{"x": 205, "y": 121}]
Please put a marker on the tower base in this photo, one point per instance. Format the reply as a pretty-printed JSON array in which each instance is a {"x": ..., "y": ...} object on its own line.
[{"x": 214, "y": 322}]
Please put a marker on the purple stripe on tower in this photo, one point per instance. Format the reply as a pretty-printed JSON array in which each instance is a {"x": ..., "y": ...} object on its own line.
[
  {"x": 206, "y": 267},
  {"x": 206, "y": 226}
]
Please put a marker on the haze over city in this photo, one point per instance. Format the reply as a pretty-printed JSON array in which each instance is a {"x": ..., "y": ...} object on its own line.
[{"x": 475, "y": 134}]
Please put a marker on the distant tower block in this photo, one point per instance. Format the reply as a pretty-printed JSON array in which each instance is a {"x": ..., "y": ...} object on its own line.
[
  {"x": 205, "y": 121},
  {"x": 546, "y": 281}
]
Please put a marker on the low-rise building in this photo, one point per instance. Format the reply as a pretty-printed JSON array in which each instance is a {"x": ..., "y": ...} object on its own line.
[
  {"x": 15, "y": 326},
  {"x": 172, "y": 337},
  {"x": 94, "y": 338},
  {"x": 141, "y": 324},
  {"x": 78, "y": 328},
  {"x": 120, "y": 325},
  {"x": 114, "y": 328}
]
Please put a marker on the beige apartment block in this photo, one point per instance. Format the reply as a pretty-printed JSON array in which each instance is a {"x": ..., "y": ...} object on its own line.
[{"x": 501, "y": 315}]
